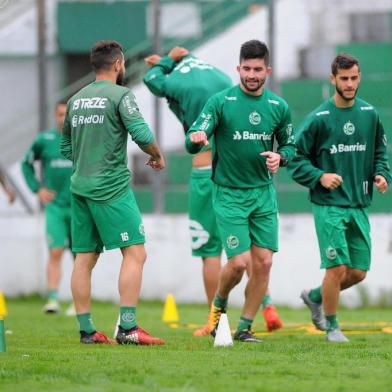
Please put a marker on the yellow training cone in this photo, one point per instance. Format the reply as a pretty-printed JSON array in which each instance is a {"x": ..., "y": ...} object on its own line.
[
  {"x": 170, "y": 313},
  {"x": 3, "y": 313},
  {"x": 3, "y": 307}
]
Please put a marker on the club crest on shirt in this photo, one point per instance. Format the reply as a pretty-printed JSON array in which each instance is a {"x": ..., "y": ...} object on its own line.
[
  {"x": 348, "y": 128},
  {"x": 254, "y": 118}
]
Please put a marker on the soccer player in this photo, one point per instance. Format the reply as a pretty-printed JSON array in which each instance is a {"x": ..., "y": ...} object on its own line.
[
  {"x": 187, "y": 82},
  {"x": 341, "y": 153},
  {"x": 11, "y": 195},
  {"x": 103, "y": 207},
  {"x": 244, "y": 121},
  {"x": 53, "y": 192}
]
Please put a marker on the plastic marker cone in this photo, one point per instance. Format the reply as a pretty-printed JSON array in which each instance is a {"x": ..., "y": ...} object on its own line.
[
  {"x": 223, "y": 335},
  {"x": 3, "y": 306},
  {"x": 170, "y": 313},
  {"x": 3, "y": 313}
]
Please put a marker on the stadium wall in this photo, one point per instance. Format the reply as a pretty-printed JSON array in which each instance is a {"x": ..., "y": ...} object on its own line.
[{"x": 171, "y": 269}]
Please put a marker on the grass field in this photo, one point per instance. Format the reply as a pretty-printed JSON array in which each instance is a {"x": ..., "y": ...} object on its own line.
[{"x": 44, "y": 354}]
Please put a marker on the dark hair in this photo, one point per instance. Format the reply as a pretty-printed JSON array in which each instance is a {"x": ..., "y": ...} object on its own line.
[
  {"x": 254, "y": 49},
  {"x": 343, "y": 61},
  {"x": 104, "y": 54},
  {"x": 61, "y": 102}
]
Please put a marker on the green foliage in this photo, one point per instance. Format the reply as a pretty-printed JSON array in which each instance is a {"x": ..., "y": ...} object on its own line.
[{"x": 43, "y": 354}]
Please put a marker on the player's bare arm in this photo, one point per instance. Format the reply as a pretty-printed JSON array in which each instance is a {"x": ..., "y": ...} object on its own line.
[
  {"x": 331, "y": 180},
  {"x": 156, "y": 160},
  {"x": 7, "y": 189},
  {"x": 380, "y": 183},
  {"x": 272, "y": 161}
]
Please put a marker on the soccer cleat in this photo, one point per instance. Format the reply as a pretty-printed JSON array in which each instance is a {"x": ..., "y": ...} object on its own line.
[
  {"x": 316, "y": 311},
  {"x": 246, "y": 336},
  {"x": 70, "y": 311},
  {"x": 203, "y": 331},
  {"x": 336, "y": 336},
  {"x": 271, "y": 317},
  {"x": 52, "y": 306},
  {"x": 137, "y": 335},
  {"x": 95, "y": 338},
  {"x": 213, "y": 318}
]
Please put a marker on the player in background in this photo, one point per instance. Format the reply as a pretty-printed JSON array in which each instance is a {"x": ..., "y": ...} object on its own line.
[
  {"x": 53, "y": 192},
  {"x": 187, "y": 82},
  {"x": 11, "y": 195},
  {"x": 104, "y": 210},
  {"x": 341, "y": 155},
  {"x": 244, "y": 121}
]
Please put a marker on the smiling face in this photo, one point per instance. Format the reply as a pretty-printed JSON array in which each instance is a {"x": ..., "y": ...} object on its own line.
[
  {"x": 346, "y": 82},
  {"x": 253, "y": 74}
]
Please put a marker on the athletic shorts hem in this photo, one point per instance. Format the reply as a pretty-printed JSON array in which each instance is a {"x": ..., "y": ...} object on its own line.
[
  {"x": 235, "y": 252},
  {"x": 124, "y": 244},
  {"x": 349, "y": 265},
  {"x": 87, "y": 250},
  {"x": 267, "y": 246},
  {"x": 55, "y": 246},
  {"x": 197, "y": 254}
]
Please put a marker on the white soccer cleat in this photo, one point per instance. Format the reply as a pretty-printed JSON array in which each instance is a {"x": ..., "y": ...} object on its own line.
[
  {"x": 52, "y": 306},
  {"x": 336, "y": 336},
  {"x": 70, "y": 311},
  {"x": 316, "y": 311}
]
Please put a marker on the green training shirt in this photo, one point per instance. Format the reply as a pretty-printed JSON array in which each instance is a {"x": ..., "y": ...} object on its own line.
[
  {"x": 243, "y": 126},
  {"x": 55, "y": 169},
  {"x": 187, "y": 85},
  {"x": 350, "y": 142},
  {"x": 99, "y": 118}
]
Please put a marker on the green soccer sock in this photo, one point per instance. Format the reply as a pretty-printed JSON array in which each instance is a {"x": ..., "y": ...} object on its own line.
[
  {"x": 244, "y": 323},
  {"x": 128, "y": 317},
  {"x": 86, "y": 322},
  {"x": 220, "y": 302},
  {"x": 315, "y": 295},
  {"x": 267, "y": 301},
  {"x": 53, "y": 295},
  {"x": 332, "y": 322}
]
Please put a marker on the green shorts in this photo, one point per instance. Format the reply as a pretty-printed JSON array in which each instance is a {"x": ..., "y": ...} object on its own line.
[
  {"x": 58, "y": 226},
  {"x": 114, "y": 224},
  {"x": 344, "y": 236},
  {"x": 246, "y": 217},
  {"x": 202, "y": 222}
]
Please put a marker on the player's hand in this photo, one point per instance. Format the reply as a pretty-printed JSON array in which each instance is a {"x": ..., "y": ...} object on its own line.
[
  {"x": 331, "y": 180},
  {"x": 10, "y": 194},
  {"x": 152, "y": 60},
  {"x": 272, "y": 161},
  {"x": 45, "y": 195},
  {"x": 157, "y": 163},
  {"x": 199, "y": 137},
  {"x": 177, "y": 53},
  {"x": 381, "y": 183}
]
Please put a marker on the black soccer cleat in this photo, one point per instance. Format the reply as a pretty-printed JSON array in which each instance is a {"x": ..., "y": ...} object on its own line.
[{"x": 247, "y": 336}]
